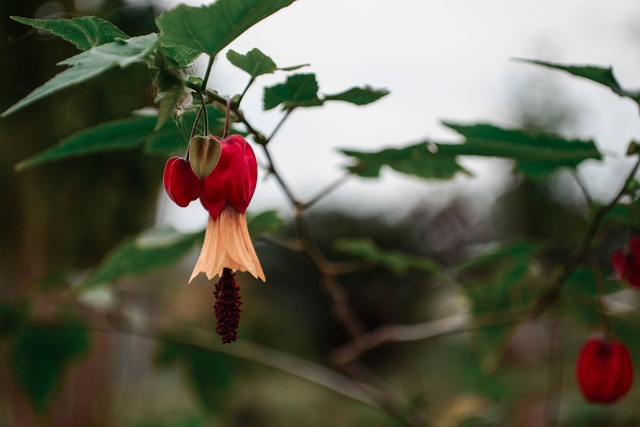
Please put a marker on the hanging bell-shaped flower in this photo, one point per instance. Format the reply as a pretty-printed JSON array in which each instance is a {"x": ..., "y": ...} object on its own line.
[{"x": 604, "y": 372}]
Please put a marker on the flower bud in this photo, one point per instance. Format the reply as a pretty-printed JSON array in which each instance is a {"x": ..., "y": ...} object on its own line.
[
  {"x": 626, "y": 262},
  {"x": 605, "y": 371},
  {"x": 180, "y": 183},
  {"x": 204, "y": 153}
]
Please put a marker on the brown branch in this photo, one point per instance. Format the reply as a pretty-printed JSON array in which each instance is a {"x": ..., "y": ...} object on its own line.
[{"x": 584, "y": 249}]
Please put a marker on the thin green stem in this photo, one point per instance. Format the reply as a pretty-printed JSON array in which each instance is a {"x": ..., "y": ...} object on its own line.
[
  {"x": 203, "y": 107},
  {"x": 207, "y": 73},
  {"x": 244, "y": 92},
  {"x": 583, "y": 188}
]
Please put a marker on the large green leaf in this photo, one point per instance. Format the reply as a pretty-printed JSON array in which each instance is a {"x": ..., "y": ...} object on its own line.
[
  {"x": 208, "y": 29},
  {"x": 395, "y": 261},
  {"x": 110, "y": 136},
  {"x": 90, "y": 64},
  {"x": 299, "y": 90},
  {"x": 150, "y": 251},
  {"x": 85, "y": 32},
  {"x": 536, "y": 154},
  {"x": 264, "y": 222},
  {"x": 427, "y": 160},
  {"x": 358, "y": 95},
  {"x": 40, "y": 357},
  {"x": 600, "y": 75},
  {"x": 209, "y": 374}
]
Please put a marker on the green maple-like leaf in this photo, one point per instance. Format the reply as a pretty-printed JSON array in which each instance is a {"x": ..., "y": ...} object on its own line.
[
  {"x": 299, "y": 90},
  {"x": 358, "y": 95},
  {"x": 597, "y": 74},
  {"x": 137, "y": 256},
  {"x": 90, "y": 64},
  {"x": 209, "y": 29},
  {"x": 85, "y": 32},
  {"x": 40, "y": 357}
]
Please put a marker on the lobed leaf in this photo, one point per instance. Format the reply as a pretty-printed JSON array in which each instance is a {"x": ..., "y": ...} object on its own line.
[
  {"x": 358, "y": 95},
  {"x": 84, "y": 32},
  {"x": 40, "y": 357},
  {"x": 537, "y": 155},
  {"x": 600, "y": 75},
  {"x": 209, "y": 29},
  {"x": 264, "y": 222},
  {"x": 299, "y": 90},
  {"x": 110, "y": 136},
  {"x": 137, "y": 256},
  {"x": 253, "y": 62},
  {"x": 90, "y": 64},
  {"x": 395, "y": 261},
  {"x": 426, "y": 160}
]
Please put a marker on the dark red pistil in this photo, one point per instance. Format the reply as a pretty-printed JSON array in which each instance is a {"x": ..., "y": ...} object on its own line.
[{"x": 227, "y": 306}]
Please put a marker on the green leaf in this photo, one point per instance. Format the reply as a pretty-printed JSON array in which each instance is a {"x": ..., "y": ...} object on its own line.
[
  {"x": 171, "y": 91},
  {"x": 537, "y": 155},
  {"x": 622, "y": 214},
  {"x": 110, "y": 136},
  {"x": 496, "y": 283},
  {"x": 299, "y": 90},
  {"x": 395, "y": 261},
  {"x": 40, "y": 357},
  {"x": 426, "y": 160},
  {"x": 90, "y": 64},
  {"x": 183, "y": 56},
  {"x": 358, "y": 95},
  {"x": 600, "y": 75},
  {"x": 209, "y": 374},
  {"x": 256, "y": 63},
  {"x": 209, "y": 29},
  {"x": 265, "y": 222},
  {"x": 253, "y": 62},
  {"x": 85, "y": 32},
  {"x": 150, "y": 251}
]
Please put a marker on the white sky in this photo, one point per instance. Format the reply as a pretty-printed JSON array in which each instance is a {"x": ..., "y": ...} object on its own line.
[{"x": 441, "y": 59}]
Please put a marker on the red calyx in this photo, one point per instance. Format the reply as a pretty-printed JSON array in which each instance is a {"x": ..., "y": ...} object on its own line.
[
  {"x": 626, "y": 262},
  {"x": 180, "y": 183},
  {"x": 605, "y": 371},
  {"x": 234, "y": 178}
]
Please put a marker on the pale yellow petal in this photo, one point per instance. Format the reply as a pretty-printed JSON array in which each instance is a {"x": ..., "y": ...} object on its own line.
[{"x": 227, "y": 245}]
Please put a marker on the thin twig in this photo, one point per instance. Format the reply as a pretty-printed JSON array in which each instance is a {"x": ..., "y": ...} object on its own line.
[
  {"x": 160, "y": 330},
  {"x": 279, "y": 125},
  {"x": 583, "y": 188},
  {"x": 327, "y": 190}
]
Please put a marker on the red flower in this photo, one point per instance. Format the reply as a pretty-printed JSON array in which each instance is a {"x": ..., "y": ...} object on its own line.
[
  {"x": 626, "y": 262},
  {"x": 180, "y": 183},
  {"x": 605, "y": 371},
  {"x": 225, "y": 192}
]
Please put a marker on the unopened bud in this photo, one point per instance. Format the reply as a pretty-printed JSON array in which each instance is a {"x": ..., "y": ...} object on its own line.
[{"x": 204, "y": 153}]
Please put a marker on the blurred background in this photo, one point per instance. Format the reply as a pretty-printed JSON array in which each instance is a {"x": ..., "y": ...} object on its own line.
[{"x": 441, "y": 60}]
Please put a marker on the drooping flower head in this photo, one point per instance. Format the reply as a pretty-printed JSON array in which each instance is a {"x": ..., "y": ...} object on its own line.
[
  {"x": 626, "y": 262},
  {"x": 226, "y": 193},
  {"x": 604, "y": 372}
]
